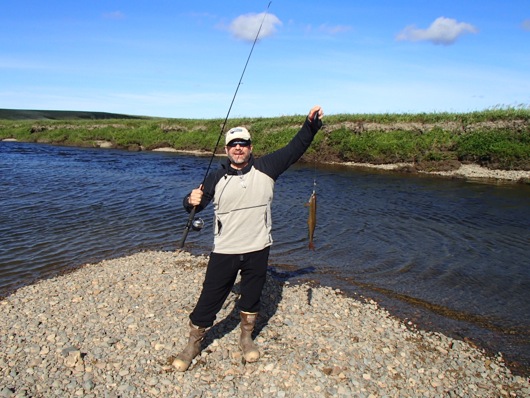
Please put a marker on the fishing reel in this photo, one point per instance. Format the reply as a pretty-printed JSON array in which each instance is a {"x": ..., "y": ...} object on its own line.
[{"x": 197, "y": 224}]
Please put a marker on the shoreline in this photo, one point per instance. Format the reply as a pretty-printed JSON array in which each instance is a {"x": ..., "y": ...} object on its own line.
[
  {"x": 473, "y": 172},
  {"x": 466, "y": 171},
  {"x": 113, "y": 327}
]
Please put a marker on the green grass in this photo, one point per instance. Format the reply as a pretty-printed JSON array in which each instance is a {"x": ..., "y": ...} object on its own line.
[
  {"x": 498, "y": 137},
  {"x": 503, "y": 149}
]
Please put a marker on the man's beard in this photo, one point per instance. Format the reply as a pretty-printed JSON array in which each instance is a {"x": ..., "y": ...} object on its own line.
[{"x": 239, "y": 160}]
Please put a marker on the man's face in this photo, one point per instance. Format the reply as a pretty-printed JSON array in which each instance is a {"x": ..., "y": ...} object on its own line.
[{"x": 238, "y": 151}]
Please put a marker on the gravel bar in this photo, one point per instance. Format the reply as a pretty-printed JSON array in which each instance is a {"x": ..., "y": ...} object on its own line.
[
  {"x": 465, "y": 171},
  {"x": 111, "y": 330}
]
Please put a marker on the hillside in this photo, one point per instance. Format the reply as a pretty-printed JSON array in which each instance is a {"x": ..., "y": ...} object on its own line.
[{"x": 27, "y": 114}]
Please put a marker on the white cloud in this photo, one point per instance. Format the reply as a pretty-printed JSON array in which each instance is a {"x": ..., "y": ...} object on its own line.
[
  {"x": 245, "y": 27},
  {"x": 442, "y": 31},
  {"x": 526, "y": 24}
]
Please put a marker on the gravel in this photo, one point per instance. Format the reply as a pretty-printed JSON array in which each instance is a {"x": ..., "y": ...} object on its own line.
[
  {"x": 111, "y": 330},
  {"x": 465, "y": 171}
]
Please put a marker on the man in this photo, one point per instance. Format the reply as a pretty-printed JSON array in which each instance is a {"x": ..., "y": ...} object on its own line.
[{"x": 241, "y": 192}]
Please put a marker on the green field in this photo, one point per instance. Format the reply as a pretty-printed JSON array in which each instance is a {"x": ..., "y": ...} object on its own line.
[{"x": 495, "y": 138}]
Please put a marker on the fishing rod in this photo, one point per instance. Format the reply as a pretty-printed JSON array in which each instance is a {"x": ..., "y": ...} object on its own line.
[{"x": 198, "y": 224}]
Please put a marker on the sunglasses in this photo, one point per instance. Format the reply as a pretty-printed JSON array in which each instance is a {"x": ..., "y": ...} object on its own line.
[{"x": 234, "y": 143}]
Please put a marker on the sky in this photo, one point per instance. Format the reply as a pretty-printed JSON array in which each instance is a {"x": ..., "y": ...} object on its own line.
[{"x": 184, "y": 59}]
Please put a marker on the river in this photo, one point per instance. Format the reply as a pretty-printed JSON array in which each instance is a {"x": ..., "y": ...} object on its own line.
[{"x": 447, "y": 255}]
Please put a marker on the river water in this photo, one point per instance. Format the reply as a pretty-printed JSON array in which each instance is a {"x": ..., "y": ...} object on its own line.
[{"x": 447, "y": 255}]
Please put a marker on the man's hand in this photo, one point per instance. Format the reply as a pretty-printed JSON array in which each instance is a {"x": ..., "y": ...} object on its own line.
[
  {"x": 195, "y": 196},
  {"x": 316, "y": 109}
]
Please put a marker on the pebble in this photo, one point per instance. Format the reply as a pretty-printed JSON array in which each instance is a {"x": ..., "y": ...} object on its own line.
[{"x": 112, "y": 328}]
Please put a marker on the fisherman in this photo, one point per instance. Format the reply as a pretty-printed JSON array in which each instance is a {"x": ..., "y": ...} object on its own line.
[{"x": 241, "y": 192}]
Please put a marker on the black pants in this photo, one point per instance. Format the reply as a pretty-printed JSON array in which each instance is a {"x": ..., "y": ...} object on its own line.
[{"x": 221, "y": 275}]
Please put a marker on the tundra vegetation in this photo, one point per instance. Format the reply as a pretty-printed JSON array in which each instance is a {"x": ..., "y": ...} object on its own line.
[{"x": 497, "y": 138}]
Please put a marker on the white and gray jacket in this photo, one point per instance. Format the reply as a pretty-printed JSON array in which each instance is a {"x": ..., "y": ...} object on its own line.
[{"x": 242, "y": 198}]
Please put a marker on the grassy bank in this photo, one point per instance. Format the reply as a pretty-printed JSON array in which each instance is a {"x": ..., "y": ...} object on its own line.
[{"x": 495, "y": 138}]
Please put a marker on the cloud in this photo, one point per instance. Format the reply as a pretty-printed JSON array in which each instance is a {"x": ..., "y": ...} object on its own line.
[
  {"x": 245, "y": 27},
  {"x": 526, "y": 25},
  {"x": 442, "y": 31}
]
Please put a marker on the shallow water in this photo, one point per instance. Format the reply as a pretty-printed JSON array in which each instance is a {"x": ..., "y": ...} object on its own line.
[{"x": 447, "y": 254}]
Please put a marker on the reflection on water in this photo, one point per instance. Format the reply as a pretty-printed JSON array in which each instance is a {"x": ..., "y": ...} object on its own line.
[{"x": 422, "y": 245}]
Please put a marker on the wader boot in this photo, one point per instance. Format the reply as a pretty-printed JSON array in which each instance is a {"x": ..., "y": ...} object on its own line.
[
  {"x": 250, "y": 350},
  {"x": 183, "y": 360}
]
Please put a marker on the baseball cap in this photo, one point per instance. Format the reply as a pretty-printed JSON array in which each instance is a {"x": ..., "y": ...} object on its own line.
[{"x": 237, "y": 133}]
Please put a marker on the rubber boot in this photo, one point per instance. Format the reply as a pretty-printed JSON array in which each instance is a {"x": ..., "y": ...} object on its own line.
[
  {"x": 183, "y": 360},
  {"x": 247, "y": 345}
]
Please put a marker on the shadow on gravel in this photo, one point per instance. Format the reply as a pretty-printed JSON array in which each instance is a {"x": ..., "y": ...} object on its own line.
[{"x": 270, "y": 298}]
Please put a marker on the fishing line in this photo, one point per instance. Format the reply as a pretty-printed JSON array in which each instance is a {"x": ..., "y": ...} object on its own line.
[
  {"x": 314, "y": 175},
  {"x": 315, "y": 121},
  {"x": 189, "y": 223}
]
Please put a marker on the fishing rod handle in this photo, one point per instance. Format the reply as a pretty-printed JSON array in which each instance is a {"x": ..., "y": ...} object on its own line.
[{"x": 187, "y": 228}]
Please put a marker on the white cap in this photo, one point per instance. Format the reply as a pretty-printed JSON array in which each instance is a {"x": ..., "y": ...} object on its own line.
[{"x": 237, "y": 133}]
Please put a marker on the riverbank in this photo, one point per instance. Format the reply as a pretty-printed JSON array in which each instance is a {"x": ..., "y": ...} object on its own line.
[
  {"x": 464, "y": 171},
  {"x": 111, "y": 329},
  {"x": 494, "y": 138}
]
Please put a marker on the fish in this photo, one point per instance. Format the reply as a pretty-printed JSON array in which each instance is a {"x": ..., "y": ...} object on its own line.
[{"x": 312, "y": 219}]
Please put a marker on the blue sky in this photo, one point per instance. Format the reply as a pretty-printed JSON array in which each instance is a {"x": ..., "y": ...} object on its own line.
[{"x": 184, "y": 59}]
